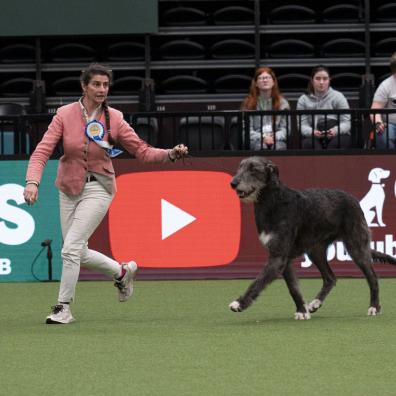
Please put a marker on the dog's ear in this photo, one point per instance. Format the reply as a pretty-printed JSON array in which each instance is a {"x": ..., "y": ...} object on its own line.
[
  {"x": 272, "y": 172},
  {"x": 373, "y": 175},
  {"x": 274, "y": 168}
]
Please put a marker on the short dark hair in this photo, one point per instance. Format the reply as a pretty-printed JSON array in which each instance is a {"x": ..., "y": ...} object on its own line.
[{"x": 94, "y": 69}]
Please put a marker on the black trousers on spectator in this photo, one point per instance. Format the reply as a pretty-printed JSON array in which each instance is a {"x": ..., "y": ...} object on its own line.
[{"x": 342, "y": 141}]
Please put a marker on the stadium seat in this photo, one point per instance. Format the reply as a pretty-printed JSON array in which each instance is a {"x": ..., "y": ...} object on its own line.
[
  {"x": 18, "y": 53},
  {"x": 292, "y": 13},
  {"x": 11, "y": 109},
  {"x": 17, "y": 87},
  {"x": 126, "y": 51},
  {"x": 182, "y": 49},
  {"x": 233, "y": 15},
  {"x": 288, "y": 48},
  {"x": 184, "y": 84},
  {"x": 385, "y": 13},
  {"x": 293, "y": 82},
  {"x": 236, "y": 134},
  {"x": 14, "y": 138},
  {"x": 232, "y": 49},
  {"x": 202, "y": 133},
  {"x": 72, "y": 52},
  {"x": 128, "y": 85},
  {"x": 67, "y": 86},
  {"x": 346, "y": 81},
  {"x": 343, "y": 13},
  {"x": 385, "y": 47},
  {"x": 183, "y": 16},
  {"x": 343, "y": 47},
  {"x": 233, "y": 83},
  {"x": 147, "y": 129}
]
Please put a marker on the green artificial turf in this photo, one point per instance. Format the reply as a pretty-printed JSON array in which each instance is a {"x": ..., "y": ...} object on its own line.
[{"x": 179, "y": 338}]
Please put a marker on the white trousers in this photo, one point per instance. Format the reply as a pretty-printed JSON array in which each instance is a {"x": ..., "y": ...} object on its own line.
[{"x": 80, "y": 216}]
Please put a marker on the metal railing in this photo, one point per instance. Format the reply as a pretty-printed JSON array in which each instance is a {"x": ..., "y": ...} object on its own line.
[
  {"x": 217, "y": 132},
  {"x": 20, "y": 134},
  {"x": 233, "y": 130}
]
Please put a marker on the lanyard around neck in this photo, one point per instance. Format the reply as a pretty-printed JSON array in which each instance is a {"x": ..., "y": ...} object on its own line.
[
  {"x": 261, "y": 103},
  {"x": 94, "y": 114}
]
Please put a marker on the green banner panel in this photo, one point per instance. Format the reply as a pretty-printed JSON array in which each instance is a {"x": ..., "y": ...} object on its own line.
[
  {"x": 74, "y": 17},
  {"x": 23, "y": 228}
]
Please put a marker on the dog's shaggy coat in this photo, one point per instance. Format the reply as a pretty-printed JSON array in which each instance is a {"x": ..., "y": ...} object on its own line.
[{"x": 293, "y": 222}]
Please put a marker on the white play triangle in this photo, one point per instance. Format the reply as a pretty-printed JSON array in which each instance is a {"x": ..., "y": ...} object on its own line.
[{"x": 173, "y": 219}]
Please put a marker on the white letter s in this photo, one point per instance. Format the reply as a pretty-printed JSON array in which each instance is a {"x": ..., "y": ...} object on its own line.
[{"x": 24, "y": 221}]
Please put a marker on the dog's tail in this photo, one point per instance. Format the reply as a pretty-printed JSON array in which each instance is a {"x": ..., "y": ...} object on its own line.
[{"x": 382, "y": 257}]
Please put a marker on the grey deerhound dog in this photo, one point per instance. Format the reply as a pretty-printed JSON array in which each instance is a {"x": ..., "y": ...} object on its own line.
[{"x": 293, "y": 222}]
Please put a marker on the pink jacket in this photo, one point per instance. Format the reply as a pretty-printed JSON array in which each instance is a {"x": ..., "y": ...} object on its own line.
[{"x": 81, "y": 154}]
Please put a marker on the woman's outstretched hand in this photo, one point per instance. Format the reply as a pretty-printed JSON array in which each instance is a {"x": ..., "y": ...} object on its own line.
[{"x": 178, "y": 152}]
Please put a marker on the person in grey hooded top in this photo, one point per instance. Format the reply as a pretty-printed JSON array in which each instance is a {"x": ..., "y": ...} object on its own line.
[
  {"x": 267, "y": 131},
  {"x": 385, "y": 98},
  {"x": 323, "y": 131}
]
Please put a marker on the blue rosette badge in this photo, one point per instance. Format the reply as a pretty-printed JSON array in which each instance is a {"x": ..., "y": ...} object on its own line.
[{"x": 95, "y": 131}]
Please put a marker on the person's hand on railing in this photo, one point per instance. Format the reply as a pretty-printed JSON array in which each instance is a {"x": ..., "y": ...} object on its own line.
[
  {"x": 379, "y": 127},
  {"x": 319, "y": 134},
  {"x": 268, "y": 139},
  {"x": 331, "y": 133}
]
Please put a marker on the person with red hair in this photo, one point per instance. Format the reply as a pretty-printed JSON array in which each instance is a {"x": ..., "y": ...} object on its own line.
[{"x": 267, "y": 131}]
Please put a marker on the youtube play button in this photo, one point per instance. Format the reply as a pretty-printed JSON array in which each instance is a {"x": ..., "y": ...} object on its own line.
[{"x": 173, "y": 219}]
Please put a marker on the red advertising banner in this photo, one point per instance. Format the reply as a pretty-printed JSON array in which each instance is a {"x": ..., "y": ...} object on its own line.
[
  {"x": 183, "y": 220},
  {"x": 170, "y": 223}
]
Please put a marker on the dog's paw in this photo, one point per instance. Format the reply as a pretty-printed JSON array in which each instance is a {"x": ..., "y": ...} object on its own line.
[
  {"x": 302, "y": 315},
  {"x": 314, "y": 305},
  {"x": 373, "y": 311},
  {"x": 235, "y": 306}
]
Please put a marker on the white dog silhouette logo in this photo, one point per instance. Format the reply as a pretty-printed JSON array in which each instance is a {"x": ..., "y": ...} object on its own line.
[
  {"x": 373, "y": 202},
  {"x": 372, "y": 205}
]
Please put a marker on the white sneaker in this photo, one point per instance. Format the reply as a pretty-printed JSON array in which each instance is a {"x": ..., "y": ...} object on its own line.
[
  {"x": 60, "y": 315},
  {"x": 125, "y": 285}
]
